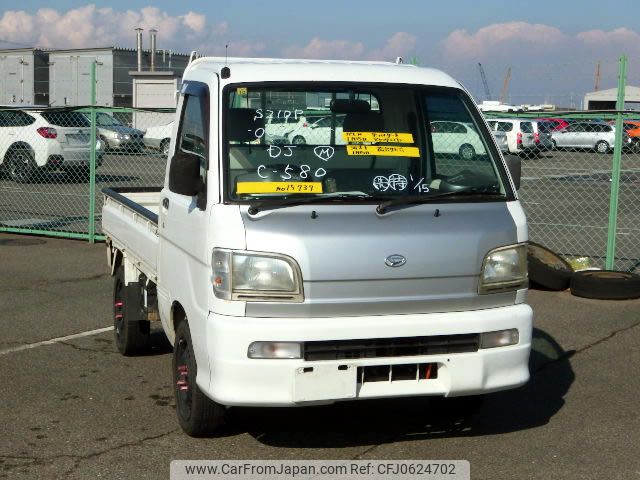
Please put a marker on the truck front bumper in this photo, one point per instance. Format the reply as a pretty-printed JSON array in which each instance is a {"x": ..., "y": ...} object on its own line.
[{"x": 237, "y": 380}]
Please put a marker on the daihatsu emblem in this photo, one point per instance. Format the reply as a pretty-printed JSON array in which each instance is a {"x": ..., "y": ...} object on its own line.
[{"x": 395, "y": 260}]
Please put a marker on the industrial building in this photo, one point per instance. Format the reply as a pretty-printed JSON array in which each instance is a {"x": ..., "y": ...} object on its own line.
[
  {"x": 63, "y": 77},
  {"x": 70, "y": 70},
  {"x": 606, "y": 99},
  {"x": 24, "y": 76}
]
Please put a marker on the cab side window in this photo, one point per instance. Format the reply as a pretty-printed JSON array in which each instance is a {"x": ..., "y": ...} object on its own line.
[
  {"x": 192, "y": 136},
  {"x": 191, "y": 141}
]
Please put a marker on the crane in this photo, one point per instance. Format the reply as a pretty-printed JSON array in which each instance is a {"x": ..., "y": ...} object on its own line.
[
  {"x": 597, "y": 86},
  {"x": 505, "y": 86},
  {"x": 487, "y": 93}
]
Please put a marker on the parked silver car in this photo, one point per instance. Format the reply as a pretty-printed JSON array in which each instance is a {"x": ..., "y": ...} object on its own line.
[
  {"x": 593, "y": 135},
  {"x": 117, "y": 136}
]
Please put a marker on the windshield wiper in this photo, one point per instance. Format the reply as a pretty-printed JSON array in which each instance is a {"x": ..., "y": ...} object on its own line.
[
  {"x": 273, "y": 203},
  {"x": 417, "y": 199}
]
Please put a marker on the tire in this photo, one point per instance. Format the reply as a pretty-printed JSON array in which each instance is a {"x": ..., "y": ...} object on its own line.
[
  {"x": 602, "y": 147},
  {"x": 467, "y": 152},
  {"x": 299, "y": 140},
  {"x": 131, "y": 332},
  {"x": 605, "y": 285},
  {"x": 546, "y": 269},
  {"x": 198, "y": 415},
  {"x": 21, "y": 165},
  {"x": 164, "y": 146},
  {"x": 78, "y": 174}
]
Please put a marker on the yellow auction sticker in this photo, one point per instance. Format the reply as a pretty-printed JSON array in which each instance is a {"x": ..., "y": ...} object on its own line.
[
  {"x": 279, "y": 187},
  {"x": 383, "y": 150},
  {"x": 241, "y": 91},
  {"x": 377, "y": 137}
]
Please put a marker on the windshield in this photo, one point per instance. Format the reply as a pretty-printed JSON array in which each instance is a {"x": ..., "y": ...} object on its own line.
[
  {"x": 106, "y": 120},
  {"x": 381, "y": 142}
]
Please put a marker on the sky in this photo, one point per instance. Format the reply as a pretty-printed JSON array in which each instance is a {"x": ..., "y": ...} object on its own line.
[{"x": 552, "y": 47}]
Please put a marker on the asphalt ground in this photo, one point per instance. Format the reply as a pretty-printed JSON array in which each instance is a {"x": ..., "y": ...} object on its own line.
[
  {"x": 76, "y": 409},
  {"x": 565, "y": 194}
]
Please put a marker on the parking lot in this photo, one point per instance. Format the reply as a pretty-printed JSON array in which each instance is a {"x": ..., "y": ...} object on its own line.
[
  {"x": 74, "y": 408},
  {"x": 565, "y": 193}
]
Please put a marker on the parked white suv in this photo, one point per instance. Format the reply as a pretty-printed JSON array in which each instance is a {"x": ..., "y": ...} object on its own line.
[
  {"x": 31, "y": 140},
  {"x": 520, "y": 133},
  {"x": 317, "y": 132},
  {"x": 456, "y": 138}
]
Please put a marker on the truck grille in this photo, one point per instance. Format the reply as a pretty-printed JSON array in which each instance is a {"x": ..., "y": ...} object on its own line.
[{"x": 390, "y": 347}]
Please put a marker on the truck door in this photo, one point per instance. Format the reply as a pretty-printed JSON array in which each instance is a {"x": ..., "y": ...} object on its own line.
[{"x": 184, "y": 260}]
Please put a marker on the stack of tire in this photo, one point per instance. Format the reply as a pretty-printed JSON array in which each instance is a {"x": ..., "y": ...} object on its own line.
[{"x": 549, "y": 271}]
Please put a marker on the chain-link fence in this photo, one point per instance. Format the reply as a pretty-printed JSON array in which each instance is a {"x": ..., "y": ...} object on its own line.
[
  {"x": 569, "y": 165},
  {"x": 566, "y": 186},
  {"x": 46, "y": 182}
]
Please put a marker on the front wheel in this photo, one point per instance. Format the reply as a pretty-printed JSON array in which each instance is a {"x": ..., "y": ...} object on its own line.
[
  {"x": 299, "y": 140},
  {"x": 602, "y": 147},
  {"x": 198, "y": 415},
  {"x": 467, "y": 152}
]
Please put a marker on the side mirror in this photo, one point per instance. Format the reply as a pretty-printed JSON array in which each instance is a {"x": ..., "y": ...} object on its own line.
[
  {"x": 514, "y": 164},
  {"x": 184, "y": 174}
]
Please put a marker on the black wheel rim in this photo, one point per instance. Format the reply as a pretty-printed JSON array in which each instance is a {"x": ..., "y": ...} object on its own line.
[
  {"x": 118, "y": 310},
  {"x": 182, "y": 376}
]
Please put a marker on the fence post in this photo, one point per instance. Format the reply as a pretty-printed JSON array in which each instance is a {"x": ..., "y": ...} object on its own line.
[
  {"x": 615, "y": 168},
  {"x": 92, "y": 159}
]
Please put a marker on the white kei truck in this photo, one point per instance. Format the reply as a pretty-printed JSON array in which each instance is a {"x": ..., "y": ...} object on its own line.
[{"x": 368, "y": 263}]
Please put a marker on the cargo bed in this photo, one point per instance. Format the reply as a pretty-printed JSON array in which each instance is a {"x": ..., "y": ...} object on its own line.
[{"x": 130, "y": 222}]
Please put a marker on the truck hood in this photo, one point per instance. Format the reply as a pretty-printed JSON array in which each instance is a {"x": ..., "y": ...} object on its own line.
[{"x": 342, "y": 252}]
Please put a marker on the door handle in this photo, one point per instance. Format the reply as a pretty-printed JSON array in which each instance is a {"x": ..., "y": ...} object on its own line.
[{"x": 165, "y": 203}]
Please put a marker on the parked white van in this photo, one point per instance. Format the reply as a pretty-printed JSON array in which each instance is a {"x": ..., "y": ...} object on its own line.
[
  {"x": 309, "y": 274},
  {"x": 520, "y": 133}
]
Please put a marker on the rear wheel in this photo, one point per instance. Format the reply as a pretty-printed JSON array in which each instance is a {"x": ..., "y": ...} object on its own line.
[
  {"x": 198, "y": 415},
  {"x": 602, "y": 147},
  {"x": 299, "y": 140},
  {"x": 132, "y": 333},
  {"x": 78, "y": 174},
  {"x": 21, "y": 165}
]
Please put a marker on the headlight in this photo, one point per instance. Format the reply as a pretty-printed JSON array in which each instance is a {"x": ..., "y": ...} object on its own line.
[
  {"x": 118, "y": 136},
  {"x": 259, "y": 277},
  {"x": 504, "y": 269}
]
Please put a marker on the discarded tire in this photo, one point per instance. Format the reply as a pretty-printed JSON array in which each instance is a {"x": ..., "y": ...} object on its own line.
[
  {"x": 605, "y": 285},
  {"x": 546, "y": 269}
]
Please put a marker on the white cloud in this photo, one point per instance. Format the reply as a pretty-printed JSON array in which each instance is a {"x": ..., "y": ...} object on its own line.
[
  {"x": 398, "y": 45},
  {"x": 319, "y": 48},
  {"x": 90, "y": 26},
  {"x": 500, "y": 39}
]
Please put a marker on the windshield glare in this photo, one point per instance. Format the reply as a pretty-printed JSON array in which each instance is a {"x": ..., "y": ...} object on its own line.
[
  {"x": 106, "y": 120},
  {"x": 377, "y": 141}
]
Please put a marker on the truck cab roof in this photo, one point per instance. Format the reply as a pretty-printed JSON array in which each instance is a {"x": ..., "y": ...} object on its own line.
[{"x": 280, "y": 69}]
